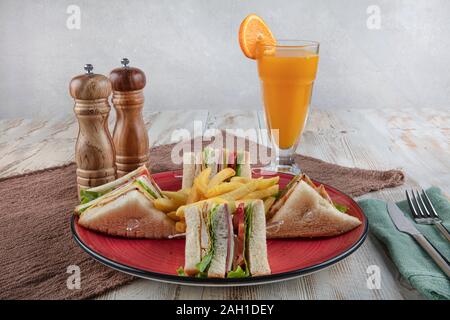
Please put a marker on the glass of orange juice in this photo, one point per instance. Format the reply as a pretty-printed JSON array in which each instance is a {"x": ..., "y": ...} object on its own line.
[{"x": 287, "y": 71}]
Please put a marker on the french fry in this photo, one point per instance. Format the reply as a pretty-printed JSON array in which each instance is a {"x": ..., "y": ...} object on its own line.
[
  {"x": 193, "y": 196},
  {"x": 240, "y": 192},
  {"x": 261, "y": 194},
  {"x": 165, "y": 205},
  {"x": 173, "y": 215},
  {"x": 201, "y": 181},
  {"x": 180, "y": 210},
  {"x": 268, "y": 203},
  {"x": 221, "y": 176},
  {"x": 241, "y": 179},
  {"x": 180, "y": 227},
  {"x": 185, "y": 190},
  {"x": 177, "y": 196},
  {"x": 224, "y": 187},
  {"x": 266, "y": 183}
]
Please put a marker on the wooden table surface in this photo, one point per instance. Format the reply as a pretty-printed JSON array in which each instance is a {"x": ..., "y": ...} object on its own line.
[{"x": 418, "y": 141}]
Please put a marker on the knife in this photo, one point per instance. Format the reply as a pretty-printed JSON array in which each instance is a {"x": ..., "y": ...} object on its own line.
[{"x": 404, "y": 225}]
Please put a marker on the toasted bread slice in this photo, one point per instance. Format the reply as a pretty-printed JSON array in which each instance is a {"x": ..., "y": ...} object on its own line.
[
  {"x": 217, "y": 268},
  {"x": 130, "y": 215},
  {"x": 192, "y": 249},
  {"x": 307, "y": 214},
  {"x": 246, "y": 169},
  {"x": 257, "y": 247},
  {"x": 188, "y": 170},
  {"x": 107, "y": 187}
]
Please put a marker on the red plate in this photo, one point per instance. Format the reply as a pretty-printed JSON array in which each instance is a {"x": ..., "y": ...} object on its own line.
[{"x": 159, "y": 259}]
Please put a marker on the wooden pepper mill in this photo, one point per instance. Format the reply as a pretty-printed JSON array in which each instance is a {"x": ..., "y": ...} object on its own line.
[
  {"x": 129, "y": 135},
  {"x": 94, "y": 150}
]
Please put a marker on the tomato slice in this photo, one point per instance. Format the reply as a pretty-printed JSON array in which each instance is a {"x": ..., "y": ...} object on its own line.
[
  {"x": 238, "y": 216},
  {"x": 241, "y": 230},
  {"x": 239, "y": 223}
]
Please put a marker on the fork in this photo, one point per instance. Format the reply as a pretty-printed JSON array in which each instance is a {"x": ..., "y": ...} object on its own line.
[{"x": 423, "y": 211}]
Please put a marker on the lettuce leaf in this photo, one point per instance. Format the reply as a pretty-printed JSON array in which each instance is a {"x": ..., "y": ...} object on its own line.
[
  {"x": 202, "y": 275},
  {"x": 239, "y": 159},
  {"x": 340, "y": 207},
  {"x": 279, "y": 194},
  {"x": 147, "y": 189},
  {"x": 238, "y": 170},
  {"x": 248, "y": 217},
  {"x": 238, "y": 273},
  {"x": 208, "y": 157},
  {"x": 206, "y": 260},
  {"x": 180, "y": 272},
  {"x": 248, "y": 221},
  {"x": 87, "y": 196},
  {"x": 291, "y": 183},
  {"x": 203, "y": 265},
  {"x": 205, "y": 158}
]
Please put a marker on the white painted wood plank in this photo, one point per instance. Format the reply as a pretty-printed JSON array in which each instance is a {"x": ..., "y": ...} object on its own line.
[
  {"x": 28, "y": 145},
  {"x": 241, "y": 123},
  {"x": 162, "y": 126},
  {"x": 141, "y": 290},
  {"x": 36, "y": 144}
]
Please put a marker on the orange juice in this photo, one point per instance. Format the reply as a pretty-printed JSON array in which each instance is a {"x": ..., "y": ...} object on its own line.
[{"x": 287, "y": 75}]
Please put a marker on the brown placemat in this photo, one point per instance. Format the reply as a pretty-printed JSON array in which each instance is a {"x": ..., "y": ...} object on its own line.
[{"x": 36, "y": 245}]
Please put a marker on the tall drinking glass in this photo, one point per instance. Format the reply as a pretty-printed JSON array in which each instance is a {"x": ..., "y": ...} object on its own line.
[{"x": 287, "y": 71}]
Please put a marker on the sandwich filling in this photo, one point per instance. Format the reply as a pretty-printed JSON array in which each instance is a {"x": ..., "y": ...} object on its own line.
[
  {"x": 239, "y": 162},
  {"x": 219, "y": 244},
  {"x": 284, "y": 194},
  {"x": 143, "y": 184},
  {"x": 219, "y": 159},
  {"x": 208, "y": 239},
  {"x": 209, "y": 158},
  {"x": 87, "y": 195},
  {"x": 243, "y": 223}
]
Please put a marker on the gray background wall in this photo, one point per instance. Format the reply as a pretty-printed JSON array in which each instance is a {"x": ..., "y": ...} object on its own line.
[{"x": 190, "y": 53}]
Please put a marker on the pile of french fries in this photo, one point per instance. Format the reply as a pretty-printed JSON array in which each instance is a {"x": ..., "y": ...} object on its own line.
[{"x": 223, "y": 187}]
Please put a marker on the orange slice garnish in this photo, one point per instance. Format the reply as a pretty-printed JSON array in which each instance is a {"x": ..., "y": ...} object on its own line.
[{"x": 254, "y": 31}]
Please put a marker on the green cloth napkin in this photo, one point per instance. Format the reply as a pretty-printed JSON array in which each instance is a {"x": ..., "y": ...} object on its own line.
[{"x": 412, "y": 261}]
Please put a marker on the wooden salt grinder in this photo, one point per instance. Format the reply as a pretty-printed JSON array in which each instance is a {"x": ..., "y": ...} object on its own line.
[
  {"x": 129, "y": 135},
  {"x": 94, "y": 150}
]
